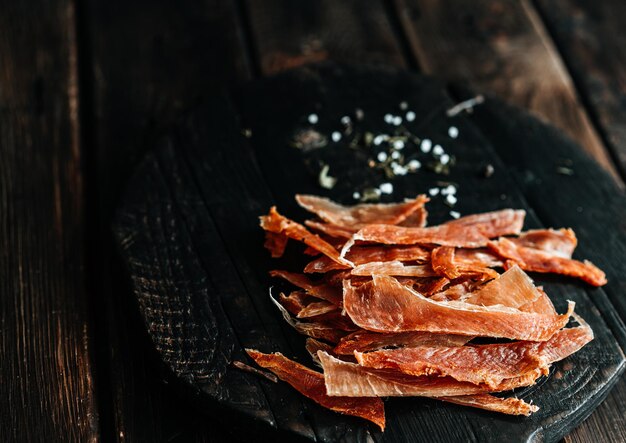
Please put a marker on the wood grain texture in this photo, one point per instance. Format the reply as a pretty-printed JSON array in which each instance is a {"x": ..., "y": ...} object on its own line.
[
  {"x": 146, "y": 65},
  {"x": 45, "y": 345},
  {"x": 192, "y": 209},
  {"x": 500, "y": 47},
  {"x": 288, "y": 34},
  {"x": 591, "y": 39}
]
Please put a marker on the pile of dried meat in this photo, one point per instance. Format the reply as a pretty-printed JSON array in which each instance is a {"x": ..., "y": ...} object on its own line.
[{"x": 393, "y": 307}]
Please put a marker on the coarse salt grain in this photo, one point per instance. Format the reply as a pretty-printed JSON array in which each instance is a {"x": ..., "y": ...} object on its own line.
[
  {"x": 455, "y": 214},
  {"x": 313, "y": 118},
  {"x": 388, "y": 118},
  {"x": 398, "y": 144},
  {"x": 433, "y": 192},
  {"x": 379, "y": 139},
  {"x": 336, "y": 136},
  {"x": 445, "y": 159},
  {"x": 410, "y": 116},
  {"x": 356, "y": 195},
  {"x": 345, "y": 120},
  {"x": 451, "y": 199},
  {"x": 414, "y": 165},
  {"x": 404, "y": 106},
  {"x": 386, "y": 188},
  {"x": 453, "y": 132},
  {"x": 382, "y": 156},
  {"x": 395, "y": 155},
  {"x": 438, "y": 150},
  {"x": 448, "y": 190},
  {"x": 399, "y": 170},
  {"x": 397, "y": 120},
  {"x": 426, "y": 145}
]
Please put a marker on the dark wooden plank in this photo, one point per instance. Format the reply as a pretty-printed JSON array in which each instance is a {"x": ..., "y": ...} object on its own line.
[
  {"x": 530, "y": 167},
  {"x": 288, "y": 34},
  {"x": 45, "y": 362},
  {"x": 591, "y": 40},
  {"x": 501, "y": 47},
  {"x": 224, "y": 173},
  {"x": 146, "y": 65}
]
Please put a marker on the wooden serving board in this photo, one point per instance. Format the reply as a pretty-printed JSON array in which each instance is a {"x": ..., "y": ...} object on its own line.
[{"x": 188, "y": 233}]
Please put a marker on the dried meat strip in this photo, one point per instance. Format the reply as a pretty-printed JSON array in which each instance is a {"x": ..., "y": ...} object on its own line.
[
  {"x": 278, "y": 224},
  {"x": 385, "y": 305},
  {"x": 396, "y": 268},
  {"x": 311, "y": 384},
  {"x": 364, "y": 341},
  {"x": 353, "y": 217},
  {"x": 360, "y": 255},
  {"x": 445, "y": 263},
  {"x": 510, "y": 406},
  {"x": 467, "y": 232},
  {"x": 322, "y": 290},
  {"x": 559, "y": 242},
  {"x": 537, "y": 260}
]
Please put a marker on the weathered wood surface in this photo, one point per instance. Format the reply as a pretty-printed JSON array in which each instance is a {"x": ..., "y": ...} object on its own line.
[
  {"x": 500, "y": 47},
  {"x": 287, "y": 34},
  {"x": 46, "y": 377},
  {"x": 144, "y": 66},
  {"x": 590, "y": 37},
  {"x": 190, "y": 216}
]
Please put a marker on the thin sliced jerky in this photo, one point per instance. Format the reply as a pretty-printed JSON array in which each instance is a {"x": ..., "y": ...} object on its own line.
[
  {"x": 510, "y": 406},
  {"x": 275, "y": 243},
  {"x": 311, "y": 384},
  {"x": 559, "y": 242},
  {"x": 468, "y": 232},
  {"x": 362, "y": 255},
  {"x": 396, "y": 268},
  {"x": 278, "y": 224},
  {"x": 352, "y": 217},
  {"x": 536, "y": 260},
  {"x": 323, "y": 291},
  {"x": 364, "y": 341},
  {"x": 330, "y": 229},
  {"x": 352, "y": 380},
  {"x": 385, "y": 305},
  {"x": 445, "y": 263}
]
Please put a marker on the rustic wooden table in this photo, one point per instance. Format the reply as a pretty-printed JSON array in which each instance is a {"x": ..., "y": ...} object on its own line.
[{"x": 85, "y": 89}]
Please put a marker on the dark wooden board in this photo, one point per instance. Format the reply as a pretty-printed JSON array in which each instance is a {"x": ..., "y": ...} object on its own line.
[
  {"x": 188, "y": 232},
  {"x": 46, "y": 344}
]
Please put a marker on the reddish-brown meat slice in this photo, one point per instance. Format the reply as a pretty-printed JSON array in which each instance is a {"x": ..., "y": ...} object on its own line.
[
  {"x": 511, "y": 406},
  {"x": 311, "y": 384},
  {"x": 488, "y": 364},
  {"x": 445, "y": 263},
  {"x": 330, "y": 229},
  {"x": 480, "y": 364},
  {"x": 324, "y": 291},
  {"x": 275, "y": 243},
  {"x": 536, "y": 260},
  {"x": 396, "y": 268},
  {"x": 365, "y": 254},
  {"x": 479, "y": 255},
  {"x": 312, "y": 346},
  {"x": 385, "y": 305},
  {"x": 316, "y": 309},
  {"x": 559, "y": 242},
  {"x": 352, "y": 380},
  {"x": 353, "y": 217},
  {"x": 365, "y": 341},
  {"x": 278, "y": 224},
  {"x": 472, "y": 233},
  {"x": 512, "y": 289},
  {"x": 295, "y": 302}
]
